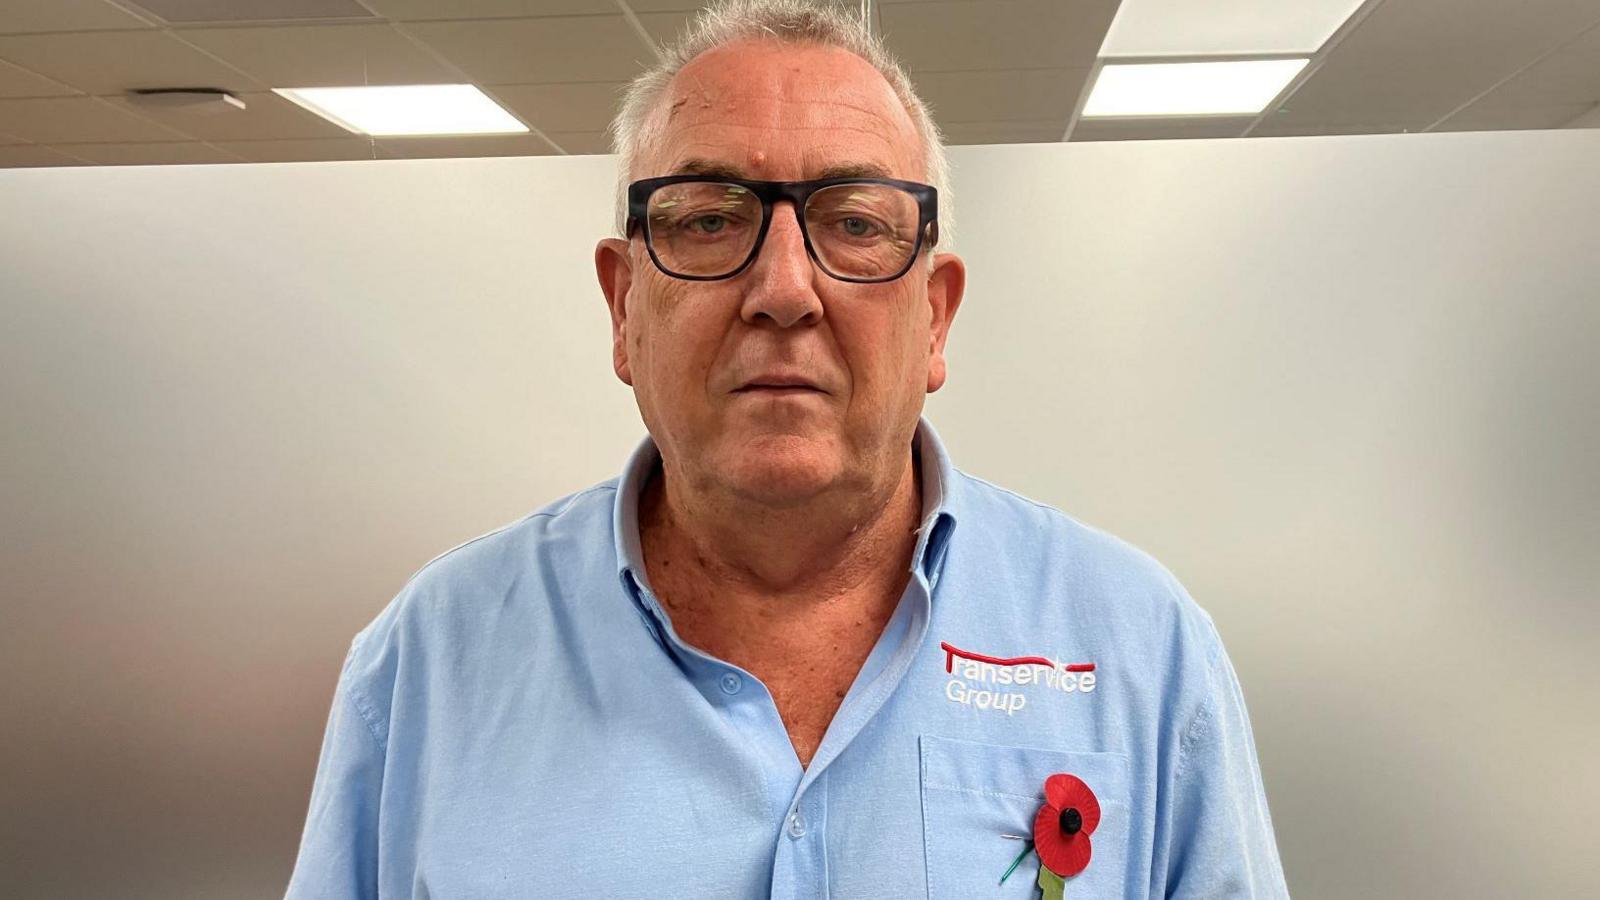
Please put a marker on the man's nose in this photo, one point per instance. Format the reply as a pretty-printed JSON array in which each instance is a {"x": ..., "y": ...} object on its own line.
[{"x": 782, "y": 278}]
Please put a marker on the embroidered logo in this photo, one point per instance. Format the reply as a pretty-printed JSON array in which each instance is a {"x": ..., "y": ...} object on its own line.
[{"x": 970, "y": 671}]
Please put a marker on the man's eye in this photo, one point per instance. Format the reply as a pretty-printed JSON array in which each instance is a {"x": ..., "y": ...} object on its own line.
[
  {"x": 855, "y": 226},
  {"x": 708, "y": 224}
]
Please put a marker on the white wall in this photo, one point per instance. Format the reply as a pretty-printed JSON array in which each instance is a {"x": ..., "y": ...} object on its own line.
[{"x": 1343, "y": 387}]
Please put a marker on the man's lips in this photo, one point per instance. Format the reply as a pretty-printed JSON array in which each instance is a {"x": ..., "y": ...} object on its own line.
[
  {"x": 779, "y": 381},
  {"x": 779, "y": 389}
]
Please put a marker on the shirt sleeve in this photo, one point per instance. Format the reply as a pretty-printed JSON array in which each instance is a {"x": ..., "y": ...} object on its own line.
[
  {"x": 1222, "y": 842},
  {"x": 338, "y": 858}
]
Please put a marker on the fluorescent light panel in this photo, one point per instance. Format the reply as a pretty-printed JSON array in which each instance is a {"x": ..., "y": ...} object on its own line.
[
  {"x": 1224, "y": 27},
  {"x": 1189, "y": 89},
  {"x": 409, "y": 109}
]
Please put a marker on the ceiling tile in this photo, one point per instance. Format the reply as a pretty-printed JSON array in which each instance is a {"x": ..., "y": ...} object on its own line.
[
  {"x": 265, "y": 116},
  {"x": 147, "y": 154},
  {"x": 562, "y": 107},
  {"x": 1570, "y": 75},
  {"x": 955, "y": 36},
  {"x": 31, "y": 155},
  {"x": 1589, "y": 118},
  {"x": 412, "y": 10},
  {"x": 1513, "y": 118},
  {"x": 177, "y": 12},
  {"x": 324, "y": 55},
  {"x": 584, "y": 143},
  {"x": 16, "y": 81},
  {"x": 664, "y": 27},
  {"x": 1033, "y": 131},
  {"x": 468, "y": 146},
  {"x": 110, "y": 62},
  {"x": 1000, "y": 94},
  {"x": 62, "y": 120},
  {"x": 306, "y": 151},
  {"x": 518, "y": 51},
  {"x": 1412, "y": 63},
  {"x": 1274, "y": 128},
  {"x": 23, "y": 16},
  {"x": 1131, "y": 129}
]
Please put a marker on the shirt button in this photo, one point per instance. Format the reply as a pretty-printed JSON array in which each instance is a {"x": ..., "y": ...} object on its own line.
[
  {"x": 797, "y": 825},
  {"x": 731, "y": 683}
]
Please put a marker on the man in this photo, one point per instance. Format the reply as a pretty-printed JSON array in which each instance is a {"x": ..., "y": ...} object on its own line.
[{"x": 791, "y": 651}]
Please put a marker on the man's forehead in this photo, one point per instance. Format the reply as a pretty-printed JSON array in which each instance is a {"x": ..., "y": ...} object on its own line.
[
  {"x": 767, "y": 110},
  {"x": 754, "y": 166}
]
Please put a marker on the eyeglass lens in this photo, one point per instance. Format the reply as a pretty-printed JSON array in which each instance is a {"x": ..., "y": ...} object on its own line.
[{"x": 707, "y": 228}]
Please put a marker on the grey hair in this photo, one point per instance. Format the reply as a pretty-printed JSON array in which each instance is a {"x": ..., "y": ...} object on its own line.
[{"x": 792, "y": 21}]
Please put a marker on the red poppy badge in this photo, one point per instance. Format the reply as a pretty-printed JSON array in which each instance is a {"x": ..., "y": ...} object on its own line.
[{"x": 1061, "y": 832}]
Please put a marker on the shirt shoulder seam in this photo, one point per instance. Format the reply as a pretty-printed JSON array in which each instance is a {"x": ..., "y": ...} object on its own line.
[
  {"x": 1005, "y": 490},
  {"x": 1191, "y": 734},
  {"x": 1215, "y": 681},
  {"x": 359, "y": 702},
  {"x": 1062, "y": 515},
  {"x": 544, "y": 513}
]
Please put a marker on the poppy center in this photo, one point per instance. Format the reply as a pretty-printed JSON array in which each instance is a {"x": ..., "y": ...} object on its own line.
[{"x": 1071, "y": 820}]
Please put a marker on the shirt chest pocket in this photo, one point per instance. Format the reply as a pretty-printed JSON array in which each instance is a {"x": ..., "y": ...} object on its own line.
[{"x": 974, "y": 793}]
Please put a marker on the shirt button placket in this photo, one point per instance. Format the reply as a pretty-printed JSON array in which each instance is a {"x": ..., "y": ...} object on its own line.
[
  {"x": 800, "y": 871},
  {"x": 797, "y": 825}
]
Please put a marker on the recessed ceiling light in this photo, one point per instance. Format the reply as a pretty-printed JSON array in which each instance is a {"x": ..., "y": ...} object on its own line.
[
  {"x": 409, "y": 109},
  {"x": 199, "y": 99},
  {"x": 1189, "y": 89},
  {"x": 1223, "y": 27}
]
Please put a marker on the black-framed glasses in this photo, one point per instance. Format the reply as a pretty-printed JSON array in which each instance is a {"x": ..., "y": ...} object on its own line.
[{"x": 864, "y": 230}]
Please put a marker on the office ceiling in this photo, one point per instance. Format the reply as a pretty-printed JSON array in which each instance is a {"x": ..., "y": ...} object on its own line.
[{"x": 995, "y": 71}]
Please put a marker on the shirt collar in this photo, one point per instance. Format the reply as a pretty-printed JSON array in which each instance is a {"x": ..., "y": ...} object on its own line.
[{"x": 939, "y": 495}]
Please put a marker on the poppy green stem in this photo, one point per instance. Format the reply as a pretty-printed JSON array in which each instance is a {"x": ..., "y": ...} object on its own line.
[{"x": 1014, "y": 862}]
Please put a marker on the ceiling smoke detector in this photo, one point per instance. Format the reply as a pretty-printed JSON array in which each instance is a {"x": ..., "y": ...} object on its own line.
[{"x": 209, "y": 101}]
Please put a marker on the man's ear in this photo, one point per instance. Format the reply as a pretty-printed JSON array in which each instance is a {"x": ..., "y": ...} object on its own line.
[
  {"x": 947, "y": 281},
  {"x": 614, "y": 267}
]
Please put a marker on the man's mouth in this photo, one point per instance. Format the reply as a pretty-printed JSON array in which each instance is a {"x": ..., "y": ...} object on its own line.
[
  {"x": 778, "y": 389},
  {"x": 780, "y": 383}
]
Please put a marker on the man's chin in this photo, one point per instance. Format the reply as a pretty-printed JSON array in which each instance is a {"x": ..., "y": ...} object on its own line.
[{"x": 781, "y": 470}]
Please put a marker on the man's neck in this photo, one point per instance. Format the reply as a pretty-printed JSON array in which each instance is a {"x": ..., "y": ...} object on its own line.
[{"x": 785, "y": 562}]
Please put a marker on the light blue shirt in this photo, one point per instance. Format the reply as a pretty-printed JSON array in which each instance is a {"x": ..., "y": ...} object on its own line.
[{"x": 522, "y": 721}]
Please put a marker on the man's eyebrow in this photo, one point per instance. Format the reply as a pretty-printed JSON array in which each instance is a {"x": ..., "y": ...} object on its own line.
[
  {"x": 854, "y": 170},
  {"x": 710, "y": 168},
  {"x": 713, "y": 169}
]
